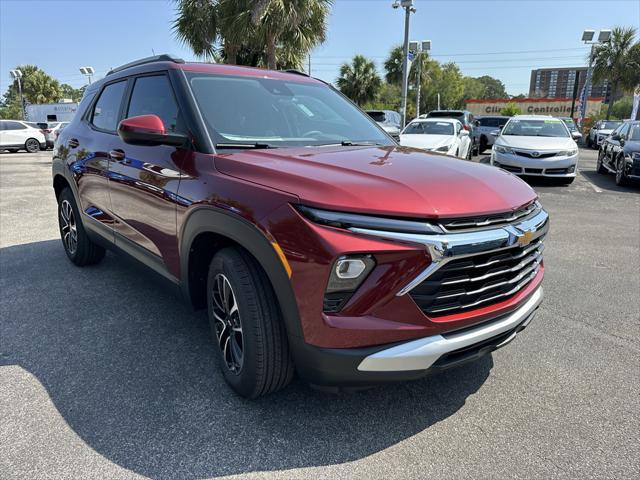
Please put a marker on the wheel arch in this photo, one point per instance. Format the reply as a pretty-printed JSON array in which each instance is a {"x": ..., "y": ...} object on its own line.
[
  {"x": 59, "y": 184},
  {"x": 207, "y": 230}
]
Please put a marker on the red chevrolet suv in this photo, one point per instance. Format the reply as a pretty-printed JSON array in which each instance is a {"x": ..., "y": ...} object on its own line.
[{"x": 316, "y": 243}]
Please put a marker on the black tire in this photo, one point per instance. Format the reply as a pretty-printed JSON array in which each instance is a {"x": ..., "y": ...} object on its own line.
[
  {"x": 600, "y": 168},
  {"x": 13, "y": 150},
  {"x": 469, "y": 153},
  {"x": 256, "y": 360},
  {"x": 483, "y": 145},
  {"x": 84, "y": 252},
  {"x": 621, "y": 177},
  {"x": 32, "y": 145}
]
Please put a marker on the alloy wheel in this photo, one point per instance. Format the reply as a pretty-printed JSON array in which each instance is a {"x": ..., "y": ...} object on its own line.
[
  {"x": 32, "y": 145},
  {"x": 68, "y": 227},
  {"x": 228, "y": 325},
  {"x": 620, "y": 170}
]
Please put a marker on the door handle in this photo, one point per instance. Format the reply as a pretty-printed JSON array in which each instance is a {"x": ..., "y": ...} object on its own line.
[
  {"x": 116, "y": 154},
  {"x": 73, "y": 143}
]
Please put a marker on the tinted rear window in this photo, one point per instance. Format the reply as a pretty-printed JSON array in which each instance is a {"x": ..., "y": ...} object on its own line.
[
  {"x": 377, "y": 116},
  {"x": 456, "y": 115}
]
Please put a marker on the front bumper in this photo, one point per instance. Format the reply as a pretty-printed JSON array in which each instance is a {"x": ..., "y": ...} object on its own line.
[
  {"x": 564, "y": 166},
  {"x": 414, "y": 359}
]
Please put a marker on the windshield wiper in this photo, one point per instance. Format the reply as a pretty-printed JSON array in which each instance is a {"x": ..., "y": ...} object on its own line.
[
  {"x": 244, "y": 145},
  {"x": 348, "y": 143}
]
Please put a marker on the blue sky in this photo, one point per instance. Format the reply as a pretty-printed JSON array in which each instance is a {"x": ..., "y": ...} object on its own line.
[{"x": 502, "y": 38}]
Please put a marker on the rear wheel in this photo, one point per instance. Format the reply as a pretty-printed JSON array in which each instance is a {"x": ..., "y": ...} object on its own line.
[
  {"x": 621, "y": 177},
  {"x": 246, "y": 325},
  {"x": 32, "y": 145},
  {"x": 77, "y": 244}
]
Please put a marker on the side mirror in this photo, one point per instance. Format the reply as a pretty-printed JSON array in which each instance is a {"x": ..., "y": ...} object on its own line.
[
  {"x": 615, "y": 136},
  {"x": 148, "y": 130},
  {"x": 476, "y": 123},
  {"x": 576, "y": 135},
  {"x": 496, "y": 132},
  {"x": 464, "y": 133}
]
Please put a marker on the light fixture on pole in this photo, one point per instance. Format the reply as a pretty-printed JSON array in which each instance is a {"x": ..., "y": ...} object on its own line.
[
  {"x": 587, "y": 39},
  {"x": 408, "y": 10},
  {"x": 17, "y": 76},
  {"x": 88, "y": 72},
  {"x": 418, "y": 48}
]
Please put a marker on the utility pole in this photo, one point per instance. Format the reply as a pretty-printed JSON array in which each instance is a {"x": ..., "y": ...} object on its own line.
[
  {"x": 409, "y": 9},
  {"x": 575, "y": 93},
  {"x": 419, "y": 48},
  {"x": 17, "y": 76}
]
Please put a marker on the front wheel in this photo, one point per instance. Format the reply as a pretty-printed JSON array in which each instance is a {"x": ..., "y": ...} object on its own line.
[
  {"x": 77, "y": 244},
  {"x": 599, "y": 163},
  {"x": 32, "y": 145},
  {"x": 621, "y": 177},
  {"x": 246, "y": 325}
]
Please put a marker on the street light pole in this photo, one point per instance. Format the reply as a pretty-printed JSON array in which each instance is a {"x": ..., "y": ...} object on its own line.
[
  {"x": 88, "y": 72},
  {"x": 17, "y": 75},
  {"x": 409, "y": 9},
  {"x": 419, "y": 48},
  {"x": 587, "y": 38}
]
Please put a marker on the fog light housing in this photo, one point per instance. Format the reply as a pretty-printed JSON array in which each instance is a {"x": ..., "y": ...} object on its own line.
[
  {"x": 571, "y": 169},
  {"x": 347, "y": 273}
]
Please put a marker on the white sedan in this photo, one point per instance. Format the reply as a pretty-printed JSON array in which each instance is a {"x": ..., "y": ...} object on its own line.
[
  {"x": 536, "y": 145},
  {"x": 441, "y": 135}
]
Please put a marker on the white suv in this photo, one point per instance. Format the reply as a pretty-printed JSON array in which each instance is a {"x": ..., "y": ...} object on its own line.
[
  {"x": 536, "y": 145},
  {"x": 18, "y": 135}
]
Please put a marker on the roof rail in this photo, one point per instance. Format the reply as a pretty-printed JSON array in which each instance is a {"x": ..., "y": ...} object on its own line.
[
  {"x": 297, "y": 72},
  {"x": 156, "y": 58}
]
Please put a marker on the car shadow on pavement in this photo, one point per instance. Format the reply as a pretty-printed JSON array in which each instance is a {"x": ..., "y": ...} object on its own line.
[
  {"x": 132, "y": 371},
  {"x": 608, "y": 182}
]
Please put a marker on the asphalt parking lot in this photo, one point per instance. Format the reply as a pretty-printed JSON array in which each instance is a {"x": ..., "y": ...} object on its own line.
[{"x": 103, "y": 374}]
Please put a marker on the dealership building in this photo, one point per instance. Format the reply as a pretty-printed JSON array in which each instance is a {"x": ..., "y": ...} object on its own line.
[{"x": 556, "y": 107}]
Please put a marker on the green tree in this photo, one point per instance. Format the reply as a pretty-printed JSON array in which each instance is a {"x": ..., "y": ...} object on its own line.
[
  {"x": 510, "y": 109},
  {"x": 612, "y": 62},
  {"x": 272, "y": 33},
  {"x": 450, "y": 86},
  {"x": 75, "y": 94},
  {"x": 359, "y": 80},
  {"x": 622, "y": 108},
  {"x": 11, "y": 109},
  {"x": 493, "y": 88},
  {"x": 473, "y": 88}
]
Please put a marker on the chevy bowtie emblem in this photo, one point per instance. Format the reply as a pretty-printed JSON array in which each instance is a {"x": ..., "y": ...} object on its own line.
[{"x": 524, "y": 238}]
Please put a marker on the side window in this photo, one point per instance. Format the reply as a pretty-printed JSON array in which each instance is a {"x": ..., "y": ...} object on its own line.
[
  {"x": 623, "y": 130},
  {"x": 2, "y": 125},
  {"x": 153, "y": 95},
  {"x": 107, "y": 110},
  {"x": 9, "y": 125}
]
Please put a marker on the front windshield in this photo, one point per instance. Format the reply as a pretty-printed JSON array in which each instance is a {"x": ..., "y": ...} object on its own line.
[
  {"x": 429, "y": 128},
  {"x": 536, "y": 128},
  {"x": 279, "y": 113},
  {"x": 610, "y": 125}
]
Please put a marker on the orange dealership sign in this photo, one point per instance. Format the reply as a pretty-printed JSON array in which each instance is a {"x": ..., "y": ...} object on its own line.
[{"x": 556, "y": 107}]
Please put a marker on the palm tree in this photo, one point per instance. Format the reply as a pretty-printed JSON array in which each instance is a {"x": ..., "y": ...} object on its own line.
[
  {"x": 201, "y": 24},
  {"x": 611, "y": 61},
  {"x": 359, "y": 80},
  {"x": 291, "y": 25}
]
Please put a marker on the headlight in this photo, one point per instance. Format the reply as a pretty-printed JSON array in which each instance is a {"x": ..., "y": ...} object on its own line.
[
  {"x": 501, "y": 149},
  {"x": 567, "y": 153},
  {"x": 445, "y": 148},
  {"x": 635, "y": 155},
  {"x": 368, "y": 222}
]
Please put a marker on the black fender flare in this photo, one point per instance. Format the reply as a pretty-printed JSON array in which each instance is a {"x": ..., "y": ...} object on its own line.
[{"x": 213, "y": 220}]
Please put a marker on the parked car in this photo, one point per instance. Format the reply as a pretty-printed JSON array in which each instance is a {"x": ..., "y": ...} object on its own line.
[
  {"x": 601, "y": 130},
  {"x": 48, "y": 130},
  {"x": 18, "y": 135},
  {"x": 390, "y": 121},
  {"x": 486, "y": 130},
  {"x": 444, "y": 135},
  {"x": 314, "y": 241},
  {"x": 620, "y": 153},
  {"x": 573, "y": 128},
  {"x": 536, "y": 145},
  {"x": 58, "y": 129},
  {"x": 464, "y": 116}
]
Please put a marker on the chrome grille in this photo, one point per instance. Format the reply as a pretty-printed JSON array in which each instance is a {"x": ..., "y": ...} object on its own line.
[
  {"x": 486, "y": 220},
  {"x": 473, "y": 281}
]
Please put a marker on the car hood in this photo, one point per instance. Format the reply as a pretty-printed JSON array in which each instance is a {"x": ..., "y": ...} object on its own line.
[
  {"x": 608, "y": 131},
  {"x": 536, "y": 143},
  {"x": 632, "y": 146},
  {"x": 390, "y": 128},
  {"x": 418, "y": 140},
  {"x": 390, "y": 180}
]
